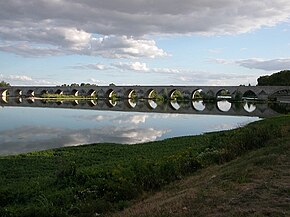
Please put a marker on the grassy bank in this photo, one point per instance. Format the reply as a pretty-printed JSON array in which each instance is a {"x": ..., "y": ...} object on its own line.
[
  {"x": 255, "y": 184},
  {"x": 83, "y": 181}
]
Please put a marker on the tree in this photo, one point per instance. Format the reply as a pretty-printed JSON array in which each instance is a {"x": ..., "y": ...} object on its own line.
[
  {"x": 4, "y": 84},
  {"x": 281, "y": 78}
]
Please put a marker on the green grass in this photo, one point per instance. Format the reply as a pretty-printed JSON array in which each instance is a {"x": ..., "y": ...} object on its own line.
[{"x": 81, "y": 181}]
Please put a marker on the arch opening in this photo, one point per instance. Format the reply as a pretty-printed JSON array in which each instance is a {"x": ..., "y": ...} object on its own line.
[
  {"x": 152, "y": 104},
  {"x": 132, "y": 94},
  {"x": 75, "y": 102},
  {"x": 92, "y": 93},
  {"x": 249, "y": 107},
  {"x": 4, "y": 93},
  {"x": 75, "y": 92},
  {"x": 197, "y": 94},
  {"x": 43, "y": 93},
  {"x": 112, "y": 98},
  {"x": 224, "y": 105},
  {"x": 18, "y": 92},
  {"x": 132, "y": 103},
  {"x": 249, "y": 95},
  {"x": 281, "y": 95},
  {"x": 223, "y": 94},
  {"x": 59, "y": 92},
  {"x": 30, "y": 93},
  {"x": 31, "y": 100},
  {"x": 92, "y": 103},
  {"x": 18, "y": 100},
  {"x": 198, "y": 105},
  {"x": 152, "y": 94},
  {"x": 174, "y": 104},
  {"x": 176, "y": 95}
]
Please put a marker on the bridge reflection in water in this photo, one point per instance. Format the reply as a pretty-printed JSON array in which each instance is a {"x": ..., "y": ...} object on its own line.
[{"x": 220, "y": 107}]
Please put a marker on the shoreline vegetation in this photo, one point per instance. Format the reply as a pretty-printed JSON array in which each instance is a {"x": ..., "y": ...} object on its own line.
[{"x": 99, "y": 179}]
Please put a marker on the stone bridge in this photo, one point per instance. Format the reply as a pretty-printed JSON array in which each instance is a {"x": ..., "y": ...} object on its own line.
[
  {"x": 145, "y": 92},
  {"x": 146, "y": 105}
]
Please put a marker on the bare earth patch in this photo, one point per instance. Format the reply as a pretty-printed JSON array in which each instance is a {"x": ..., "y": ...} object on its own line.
[{"x": 256, "y": 184}]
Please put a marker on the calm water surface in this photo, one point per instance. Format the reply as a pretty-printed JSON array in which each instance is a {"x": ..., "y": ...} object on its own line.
[{"x": 26, "y": 129}]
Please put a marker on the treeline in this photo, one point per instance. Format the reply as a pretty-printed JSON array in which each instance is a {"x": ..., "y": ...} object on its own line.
[
  {"x": 281, "y": 78},
  {"x": 4, "y": 84},
  {"x": 78, "y": 85}
]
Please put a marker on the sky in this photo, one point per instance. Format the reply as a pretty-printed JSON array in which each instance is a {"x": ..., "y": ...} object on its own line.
[{"x": 143, "y": 42}]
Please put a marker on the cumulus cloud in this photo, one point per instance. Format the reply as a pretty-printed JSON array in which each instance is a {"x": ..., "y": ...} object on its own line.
[
  {"x": 70, "y": 43},
  {"x": 125, "y": 47},
  {"x": 25, "y": 80},
  {"x": 70, "y": 27},
  {"x": 258, "y": 63},
  {"x": 266, "y": 65},
  {"x": 132, "y": 66},
  {"x": 142, "y": 67}
]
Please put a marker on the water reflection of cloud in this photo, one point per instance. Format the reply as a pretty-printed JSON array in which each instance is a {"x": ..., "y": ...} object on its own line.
[
  {"x": 33, "y": 138},
  {"x": 117, "y": 119},
  {"x": 127, "y": 118}
]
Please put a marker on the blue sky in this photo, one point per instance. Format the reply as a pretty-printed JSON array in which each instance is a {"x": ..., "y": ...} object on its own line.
[{"x": 179, "y": 42}]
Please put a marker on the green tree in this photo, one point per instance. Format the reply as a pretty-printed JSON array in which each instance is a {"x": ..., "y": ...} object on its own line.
[
  {"x": 4, "y": 84},
  {"x": 281, "y": 78}
]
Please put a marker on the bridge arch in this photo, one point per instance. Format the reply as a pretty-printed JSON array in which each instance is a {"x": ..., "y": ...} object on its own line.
[
  {"x": 131, "y": 94},
  {"x": 92, "y": 103},
  {"x": 18, "y": 92},
  {"x": 223, "y": 94},
  {"x": 249, "y": 106},
  {"x": 59, "y": 92},
  {"x": 92, "y": 93},
  {"x": 43, "y": 92},
  {"x": 4, "y": 92},
  {"x": 249, "y": 94},
  {"x": 174, "y": 104},
  {"x": 151, "y": 104},
  {"x": 30, "y": 93},
  {"x": 30, "y": 100},
  {"x": 75, "y": 102},
  {"x": 75, "y": 92},
  {"x": 18, "y": 100},
  {"x": 175, "y": 94},
  {"x": 111, "y": 94},
  {"x": 151, "y": 94},
  {"x": 197, "y": 94},
  {"x": 198, "y": 105},
  {"x": 224, "y": 105},
  {"x": 280, "y": 93}
]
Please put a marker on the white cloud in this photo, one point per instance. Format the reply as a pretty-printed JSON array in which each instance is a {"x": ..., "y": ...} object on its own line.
[
  {"x": 97, "y": 66},
  {"x": 266, "y": 65},
  {"x": 72, "y": 41},
  {"x": 133, "y": 66},
  {"x": 125, "y": 47},
  {"x": 25, "y": 80},
  {"x": 70, "y": 27},
  {"x": 142, "y": 67},
  {"x": 258, "y": 63}
]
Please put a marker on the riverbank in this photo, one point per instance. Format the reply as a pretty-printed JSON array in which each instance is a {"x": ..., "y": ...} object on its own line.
[{"x": 100, "y": 178}]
